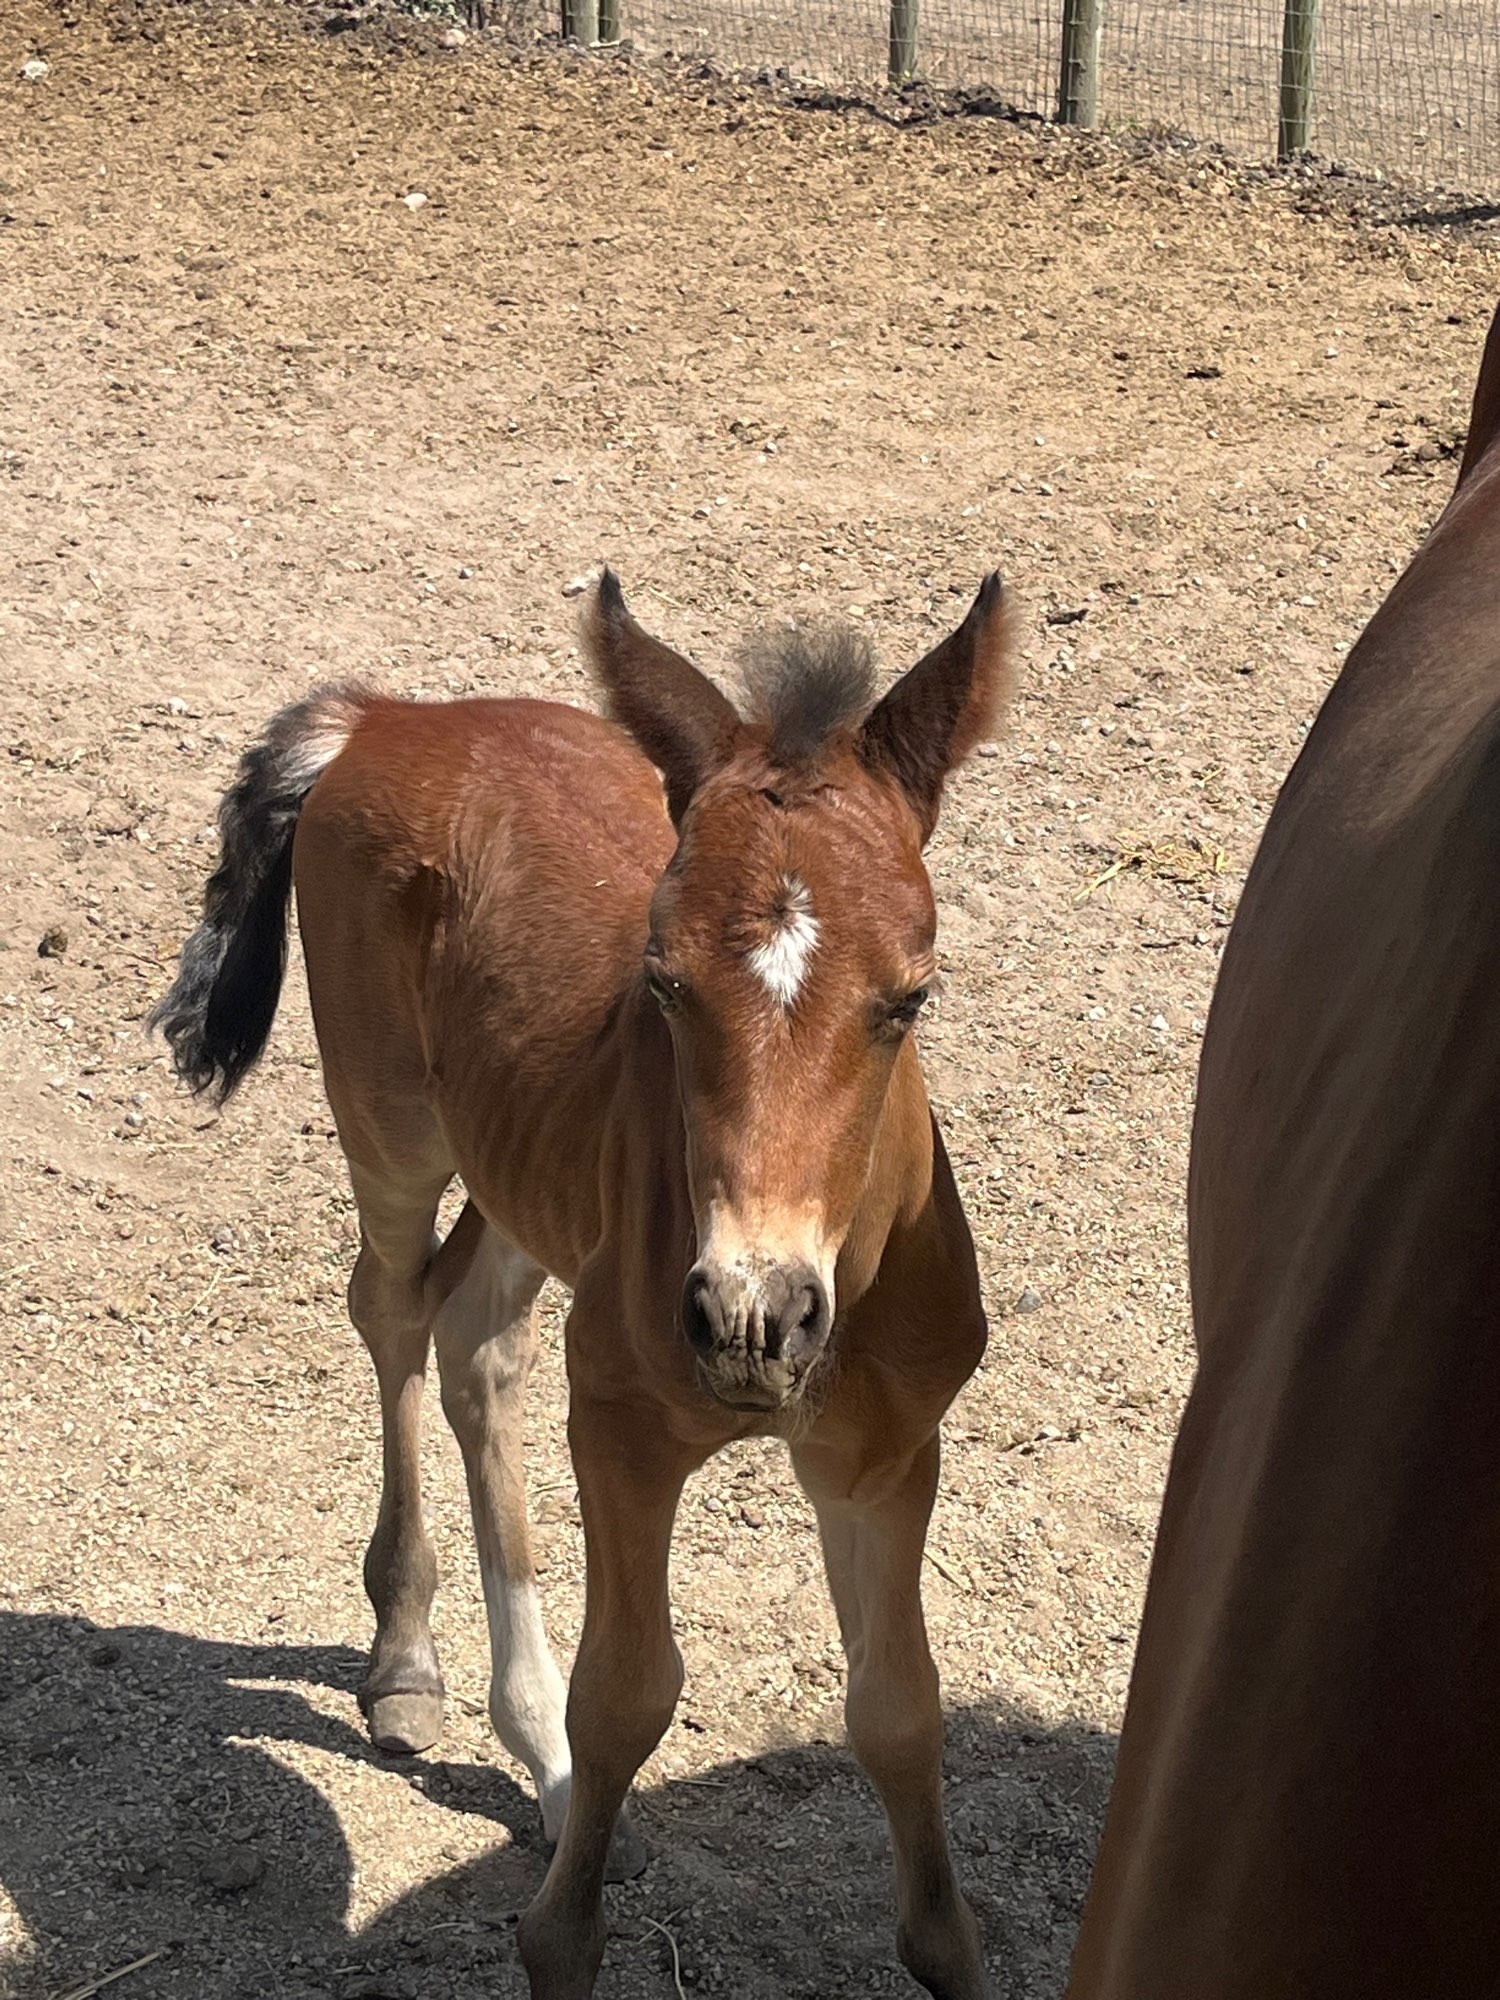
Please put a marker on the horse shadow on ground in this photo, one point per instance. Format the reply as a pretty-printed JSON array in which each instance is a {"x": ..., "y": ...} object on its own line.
[{"x": 149, "y": 1812}]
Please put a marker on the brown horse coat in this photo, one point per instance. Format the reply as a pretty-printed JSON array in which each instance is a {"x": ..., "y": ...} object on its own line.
[{"x": 1307, "y": 1805}]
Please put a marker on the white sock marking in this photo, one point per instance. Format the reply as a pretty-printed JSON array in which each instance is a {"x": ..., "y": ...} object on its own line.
[
  {"x": 781, "y": 963},
  {"x": 527, "y": 1695}
]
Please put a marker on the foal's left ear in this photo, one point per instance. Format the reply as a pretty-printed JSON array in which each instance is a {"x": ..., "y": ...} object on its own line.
[
  {"x": 675, "y": 713},
  {"x": 933, "y": 717}
]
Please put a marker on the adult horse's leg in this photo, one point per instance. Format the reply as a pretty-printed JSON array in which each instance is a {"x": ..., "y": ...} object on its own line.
[
  {"x": 485, "y": 1331},
  {"x": 626, "y": 1678},
  {"x": 402, "y": 1695},
  {"x": 872, "y": 1547}
]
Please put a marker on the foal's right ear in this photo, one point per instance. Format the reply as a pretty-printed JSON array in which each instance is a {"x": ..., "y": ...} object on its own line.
[{"x": 675, "y": 713}]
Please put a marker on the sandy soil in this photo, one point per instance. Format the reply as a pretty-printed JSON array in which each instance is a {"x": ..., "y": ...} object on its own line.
[{"x": 262, "y": 422}]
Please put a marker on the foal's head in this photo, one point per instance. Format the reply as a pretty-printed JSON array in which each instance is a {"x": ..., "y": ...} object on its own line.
[{"x": 791, "y": 947}]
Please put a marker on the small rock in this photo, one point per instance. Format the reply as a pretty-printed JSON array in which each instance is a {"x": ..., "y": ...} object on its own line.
[
  {"x": 464, "y": 570},
  {"x": 1030, "y": 1300},
  {"x": 416, "y": 199},
  {"x": 112, "y": 815},
  {"x": 494, "y": 1916},
  {"x": 105, "y": 1654},
  {"x": 988, "y": 750},
  {"x": 133, "y": 1120},
  {"x": 752, "y": 1517},
  {"x": 224, "y": 1240},
  {"x": 35, "y": 69},
  {"x": 454, "y": 38},
  {"x": 1158, "y": 1024},
  {"x": 577, "y": 585},
  {"x": 54, "y": 942},
  {"x": 231, "y": 1869},
  {"x": 177, "y": 706}
]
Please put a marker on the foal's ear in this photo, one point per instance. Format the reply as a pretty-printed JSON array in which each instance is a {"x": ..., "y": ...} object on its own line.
[
  {"x": 675, "y": 713},
  {"x": 951, "y": 700}
]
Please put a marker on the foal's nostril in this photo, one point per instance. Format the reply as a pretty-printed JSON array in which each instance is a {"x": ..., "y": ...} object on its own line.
[
  {"x": 701, "y": 1319},
  {"x": 802, "y": 1323}
]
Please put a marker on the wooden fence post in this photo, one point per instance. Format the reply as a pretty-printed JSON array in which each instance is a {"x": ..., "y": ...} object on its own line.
[
  {"x": 609, "y": 20},
  {"x": 902, "y": 64},
  {"x": 1299, "y": 37},
  {"x": 1078, "y": 78},
  {"x": 580, "y": 22}
]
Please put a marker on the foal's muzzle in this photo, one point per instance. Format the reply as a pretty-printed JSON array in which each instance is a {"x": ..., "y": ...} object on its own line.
[{"x": 755, "y": 1333}]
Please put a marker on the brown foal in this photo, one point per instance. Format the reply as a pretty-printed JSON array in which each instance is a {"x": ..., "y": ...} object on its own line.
[{"x": 665, "y": 1043}]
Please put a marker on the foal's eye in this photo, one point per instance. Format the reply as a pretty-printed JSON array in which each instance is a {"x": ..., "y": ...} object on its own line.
[
  {"x": 666, "y": 991},
  {"x": 904, "y": 1011}
]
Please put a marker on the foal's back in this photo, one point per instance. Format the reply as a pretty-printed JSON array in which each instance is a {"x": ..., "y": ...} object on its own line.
[{"x": 528, "y": 831}]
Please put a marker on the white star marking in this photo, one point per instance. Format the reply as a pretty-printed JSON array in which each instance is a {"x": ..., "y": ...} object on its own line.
[{"x": 781, "y": 962}]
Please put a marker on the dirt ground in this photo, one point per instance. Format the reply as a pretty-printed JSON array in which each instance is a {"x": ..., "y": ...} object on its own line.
[
  {"x": 263, "y": 420},
  {"x": 1401, "y": 87}
]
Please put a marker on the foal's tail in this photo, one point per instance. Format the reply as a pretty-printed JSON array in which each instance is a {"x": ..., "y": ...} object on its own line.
[{"x": 218, "y": 1011}]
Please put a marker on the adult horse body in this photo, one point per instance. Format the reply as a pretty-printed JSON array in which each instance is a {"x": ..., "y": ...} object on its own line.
[
  {"x": 665, "y": 1046},
  {"x": 1307, "y": 1805}
]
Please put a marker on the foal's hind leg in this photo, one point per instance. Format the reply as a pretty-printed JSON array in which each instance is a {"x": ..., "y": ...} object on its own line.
[
  {"x": 872, "y": 1546},
  {"x": 402, "y": 1695},
  {"x": 485, "y": 1332}
]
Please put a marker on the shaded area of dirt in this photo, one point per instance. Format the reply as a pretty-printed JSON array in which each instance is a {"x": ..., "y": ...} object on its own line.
[
  {"x": 209, "y": 1849},
  {"x": 265, "y": 420}
]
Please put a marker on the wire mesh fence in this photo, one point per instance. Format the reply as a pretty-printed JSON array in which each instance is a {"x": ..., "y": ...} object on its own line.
[{"x": 1409, "y": 88}]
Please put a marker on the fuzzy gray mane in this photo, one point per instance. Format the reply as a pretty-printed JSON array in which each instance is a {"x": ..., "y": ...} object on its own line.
[{"x": 804, "y": 683}]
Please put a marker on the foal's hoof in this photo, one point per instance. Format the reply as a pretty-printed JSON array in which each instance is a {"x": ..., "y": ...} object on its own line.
[
  {"x": 628, "y": 1852},
  {"x": 403, "y": 1724}
]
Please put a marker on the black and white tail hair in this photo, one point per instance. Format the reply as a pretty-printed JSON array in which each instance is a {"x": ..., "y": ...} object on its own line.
[{"x": 219, "y": 1009}]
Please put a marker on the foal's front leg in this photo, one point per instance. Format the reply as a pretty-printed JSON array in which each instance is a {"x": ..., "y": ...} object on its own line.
[
  {"x": 626, "y": 1678},
  {"x": 872, "y": 1546}
]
